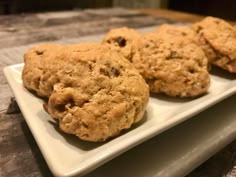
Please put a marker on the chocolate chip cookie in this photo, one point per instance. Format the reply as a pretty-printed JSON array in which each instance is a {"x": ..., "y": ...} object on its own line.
[
  {"x": 218, "y": 40},
  {"x": 39, "y": 72},
  {"x": 178, "y": 30},
  {"x": 172, "y": 64},
  {"x": 94, "y": 92}
]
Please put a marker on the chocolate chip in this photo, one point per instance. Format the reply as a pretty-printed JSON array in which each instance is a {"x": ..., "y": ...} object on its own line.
[
  {"x": 60, "y": 107},
  {"x": 38, "y": 52},
  {"x": 71, "y": 103},
  {"x": 110, "y": 72},
  {"x": 104, "y": 72},
  {"x": 121, "y": 41},
  {"x": 115, "y": 72},
  {"x": 191, "y": 70},
  {"x": 199, "y": 29}
]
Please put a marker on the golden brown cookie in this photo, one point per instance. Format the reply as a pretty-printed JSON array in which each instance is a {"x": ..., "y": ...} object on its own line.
[
  {"x": 177, "y": 30},
  {"x": 41, "y": 65},
  {"x": 172, "y": 64},
  {"x": 122, "y": 40},
  {"x": 38, "y": 74},
  {"x": 218, "y": 39},
  {"x": 95, "y": 92},
  {"x": 157, "y": 54}
]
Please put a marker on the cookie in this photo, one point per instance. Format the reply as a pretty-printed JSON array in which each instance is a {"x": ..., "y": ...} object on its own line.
[
  {"x": 41, "y": 66},
  {"x": 122, "y": 40},
  {"x": 177, "y": 30},
  {"x": 95, "y": 94},
  {"x": 218, "y": 40},
  {"x": 172, "y": 64},
  {"x": 37, "y": 69}
]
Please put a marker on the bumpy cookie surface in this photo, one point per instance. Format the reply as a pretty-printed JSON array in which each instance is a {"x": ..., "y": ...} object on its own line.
[
  {"x": 174, "y": 30},
  {"x": 95, "y": 92},
  {"x": 172, "y": 65},
  {"x": 122, "y": 40},
  {"x": 38, "y": 73},
  {"x": 218, "y": 39}
]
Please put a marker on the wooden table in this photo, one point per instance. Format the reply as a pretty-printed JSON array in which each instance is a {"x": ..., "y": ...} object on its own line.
[{"x": 19, "y": 153}]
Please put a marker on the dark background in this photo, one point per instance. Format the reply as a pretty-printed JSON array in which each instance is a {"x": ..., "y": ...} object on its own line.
[
  {"x": 28, "y": 6},
  {"x": 224, "y": 9}
]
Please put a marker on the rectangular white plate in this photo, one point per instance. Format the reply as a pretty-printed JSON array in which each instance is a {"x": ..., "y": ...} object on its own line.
[{"x": 66, "y": 155}]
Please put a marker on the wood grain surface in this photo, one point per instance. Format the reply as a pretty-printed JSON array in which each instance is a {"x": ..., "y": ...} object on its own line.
[{"x": 19, "y": 153}]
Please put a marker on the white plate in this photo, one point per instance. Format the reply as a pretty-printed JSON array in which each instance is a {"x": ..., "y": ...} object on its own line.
[{"x": 66, "y": 155}]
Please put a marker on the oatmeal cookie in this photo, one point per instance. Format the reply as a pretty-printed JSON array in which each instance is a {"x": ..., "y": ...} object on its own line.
[
  {"x": 218, "y": 40},
  {"x": 37, "y": 74},
  {"x": 122, "y": 40},
  {"x": 95, "y": 92},
  {"x": 177, "y": 30},
  {"x": 42, "y": 63},
  {"x": 172, "y": 64}
]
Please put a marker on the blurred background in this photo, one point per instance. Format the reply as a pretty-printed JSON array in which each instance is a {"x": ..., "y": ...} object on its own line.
[{"x": 225, "y": 9}]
